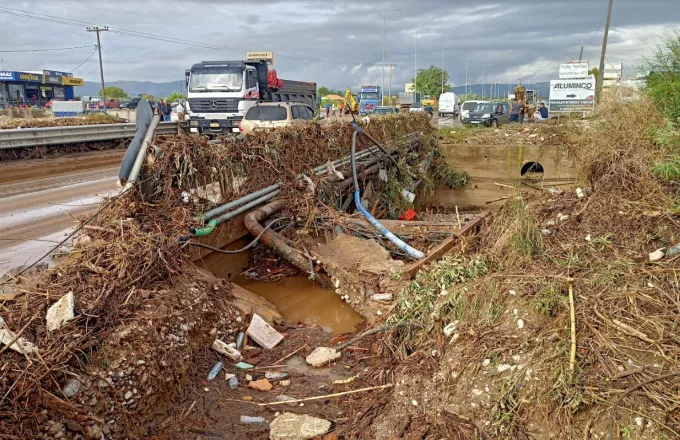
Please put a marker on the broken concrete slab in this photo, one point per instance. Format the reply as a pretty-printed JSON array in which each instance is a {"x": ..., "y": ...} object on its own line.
[
  {"x": 60, "y": 312},
  {"x": 263, "y": 333},
  {"x": 19, "y": 345},
  {"x": 289, "y": 426},
  {"x": 322, "y": 356}
]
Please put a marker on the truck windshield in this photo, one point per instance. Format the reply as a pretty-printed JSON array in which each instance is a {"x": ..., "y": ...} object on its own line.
[
  {"x": 267, "y": 113},
  {"x": 222, "y": 78},
  {"x": 369, "y": 96}
]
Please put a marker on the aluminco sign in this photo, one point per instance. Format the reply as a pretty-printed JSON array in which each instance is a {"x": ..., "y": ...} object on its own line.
[{"x": 586, "y": 85}]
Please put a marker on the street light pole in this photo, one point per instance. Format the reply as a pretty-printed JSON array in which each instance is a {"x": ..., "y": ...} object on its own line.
[
  {"x": 382, "y": 89},
  {"x": 484, "y": 78},
  {"x": 466, "y": 73},
  {"x": 415, "y": 68},
  {"x": 443, "y": 69}
]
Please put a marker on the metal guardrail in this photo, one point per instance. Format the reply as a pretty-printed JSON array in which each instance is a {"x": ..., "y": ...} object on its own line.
[{"x": 34, "y": 137}]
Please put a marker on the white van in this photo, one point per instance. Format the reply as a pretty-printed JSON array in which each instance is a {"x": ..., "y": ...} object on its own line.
[
  {"x": 449, "y": 105},
  {"x": 467, "y": 107}
]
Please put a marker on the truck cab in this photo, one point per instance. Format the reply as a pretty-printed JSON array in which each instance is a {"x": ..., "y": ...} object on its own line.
[
  {"x": 368, "y": 99},
  {"x": 219, "y": 93}
]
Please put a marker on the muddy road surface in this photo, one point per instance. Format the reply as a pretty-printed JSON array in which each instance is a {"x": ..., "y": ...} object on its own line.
[{"x": 41, "y": 199}]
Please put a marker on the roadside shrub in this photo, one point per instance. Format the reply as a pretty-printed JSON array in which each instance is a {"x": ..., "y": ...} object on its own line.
[{"x": 663, "y": 82}]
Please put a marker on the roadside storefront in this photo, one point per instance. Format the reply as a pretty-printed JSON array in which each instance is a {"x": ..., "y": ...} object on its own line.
[{"x": 36, "y": 89}]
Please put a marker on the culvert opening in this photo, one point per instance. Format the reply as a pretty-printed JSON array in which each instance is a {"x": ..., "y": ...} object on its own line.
[{"x": 532, "y": 168}]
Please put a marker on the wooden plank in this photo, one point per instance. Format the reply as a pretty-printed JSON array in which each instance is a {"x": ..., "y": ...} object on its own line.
[{"x": 411, "y": 270}]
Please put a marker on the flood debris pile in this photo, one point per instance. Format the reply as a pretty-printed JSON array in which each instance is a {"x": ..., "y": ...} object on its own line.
[
  {"x": 560, "y": 321},
  {"x": 7, "y": 123},
  {"x": 102, "y": 343}
]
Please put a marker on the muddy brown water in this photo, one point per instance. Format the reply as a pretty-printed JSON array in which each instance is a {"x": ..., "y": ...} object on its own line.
[{"x": 300, "y": 300}]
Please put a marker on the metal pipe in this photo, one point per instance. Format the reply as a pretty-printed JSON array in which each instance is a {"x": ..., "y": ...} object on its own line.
[
  {"x": 227, "y": 206},
  {"x": 231, "y": 214},
  {"x": 275, "y": 241},
  {"x": 141, "y": 154}
]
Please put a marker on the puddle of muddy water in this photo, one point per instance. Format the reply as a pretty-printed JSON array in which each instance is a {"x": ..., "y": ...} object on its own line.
[{"x": 300, "y": 300}]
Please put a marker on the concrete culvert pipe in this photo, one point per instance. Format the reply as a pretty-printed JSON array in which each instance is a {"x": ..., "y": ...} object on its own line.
[{"x": 252, "y": 222}]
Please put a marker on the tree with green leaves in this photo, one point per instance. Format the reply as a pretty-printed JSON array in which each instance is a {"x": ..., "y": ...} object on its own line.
[
  {"x": 148, "y": 97},
  {"x": 595, "y": 71},
  {"x": 323, "y": 91},
  {"x": 174, "y": 96},
  {"x": 429, "y": 81},
  {"x": 114, "y": 92}
]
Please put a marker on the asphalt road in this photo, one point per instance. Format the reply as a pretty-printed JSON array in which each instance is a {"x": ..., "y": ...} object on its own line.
[{"x": 40, "y": 200}]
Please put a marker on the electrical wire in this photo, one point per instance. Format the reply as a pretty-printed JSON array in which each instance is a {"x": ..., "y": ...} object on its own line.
[
  {"x": 44, "y": 50},
  {"x": 147, "y": 35},
  {"x": 243, "y": 249},
  {"x": 86, "y": 60}
]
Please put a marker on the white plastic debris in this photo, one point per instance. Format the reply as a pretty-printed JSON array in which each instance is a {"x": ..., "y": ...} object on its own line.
[
  {"x": 520, "y": 324},
  {"x": 579, "y": 193},
  {"x": 60, "y": 312},
  {"x": 656, "y": 255},
  {"x": 20, "y": 345},
  {"x": 450, "y": 328},
  {"x": 408, "y": 195},
  {"x": 322, "y": 356},
  {"x": 513, "y": 292}
]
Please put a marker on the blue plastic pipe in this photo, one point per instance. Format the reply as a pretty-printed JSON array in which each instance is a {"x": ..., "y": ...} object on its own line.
[{"x": 415, "y": 253}]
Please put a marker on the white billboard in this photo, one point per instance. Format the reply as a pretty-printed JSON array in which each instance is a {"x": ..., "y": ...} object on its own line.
[
  {"x": 572, "y": 94},
  {"x": 410, "y": 88},
  {"x": 573, "y": 70}
]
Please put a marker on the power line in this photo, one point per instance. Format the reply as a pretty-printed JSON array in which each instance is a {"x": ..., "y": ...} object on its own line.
[
  {"x": 86, "y": 60},
  {"x": 147, "y": 35},
  {"x": 44, "y": 50}
]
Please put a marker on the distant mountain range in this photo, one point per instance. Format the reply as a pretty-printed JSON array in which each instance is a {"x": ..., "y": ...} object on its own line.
[{"x": 91, "y": 88}]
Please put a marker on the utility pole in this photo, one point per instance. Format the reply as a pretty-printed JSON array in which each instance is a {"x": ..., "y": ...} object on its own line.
[
  {"x": 580, "y": 57},
  {"x": 391, "y": 66},
  {"x": 98, "y": 29},
  {"x": 600, "y": 77},
  {"x": 466, "y": 73}
]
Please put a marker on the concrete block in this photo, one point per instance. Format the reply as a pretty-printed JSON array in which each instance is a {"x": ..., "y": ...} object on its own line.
[{"x": 263, "y": 333}]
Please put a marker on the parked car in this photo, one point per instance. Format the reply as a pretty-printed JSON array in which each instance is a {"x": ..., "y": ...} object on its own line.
[
  {"x": 113, "y": 103},
  {"x": 385, "y": 110},
  {"x": 270, "y": 115},
  {"x": 124, "y": 103},
  {"x": 491, "y": 114},
  {"x": 467, "y": 107}
]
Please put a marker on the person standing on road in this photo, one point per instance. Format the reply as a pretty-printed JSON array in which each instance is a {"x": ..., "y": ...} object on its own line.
[
  {"x": 328, "y": 110},
  {"x": 514, "y": 113},
  {"x": 429, "y": 110}
]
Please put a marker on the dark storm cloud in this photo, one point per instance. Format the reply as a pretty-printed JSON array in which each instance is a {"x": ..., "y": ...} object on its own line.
[{"x": 338, "y": 43}]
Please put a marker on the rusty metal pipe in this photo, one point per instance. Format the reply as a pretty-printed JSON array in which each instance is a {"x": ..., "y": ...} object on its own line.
[{"x": 252, "y": 222}]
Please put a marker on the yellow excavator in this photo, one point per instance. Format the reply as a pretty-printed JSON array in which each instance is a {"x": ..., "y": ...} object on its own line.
[{"x": 351, "y": 102}]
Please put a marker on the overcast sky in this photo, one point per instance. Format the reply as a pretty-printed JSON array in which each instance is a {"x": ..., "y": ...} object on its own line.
[{"x": 334, "y": 43}]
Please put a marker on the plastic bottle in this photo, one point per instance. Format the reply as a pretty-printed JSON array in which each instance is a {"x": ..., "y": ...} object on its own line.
[
  {"x": 240, "y": 338},
  {"x": 215, "y": 371},
  {"x": 233, "y": 383},
  {"x": 673, "y": 250},
  {"x": 249, "y": 420}
]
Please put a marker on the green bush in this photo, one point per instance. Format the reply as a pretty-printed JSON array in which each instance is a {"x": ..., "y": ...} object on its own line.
[{"x": 663, "y": 81}]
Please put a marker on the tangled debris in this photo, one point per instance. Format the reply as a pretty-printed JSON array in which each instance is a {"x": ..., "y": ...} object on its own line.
[{"x": 141, "y": 309}]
